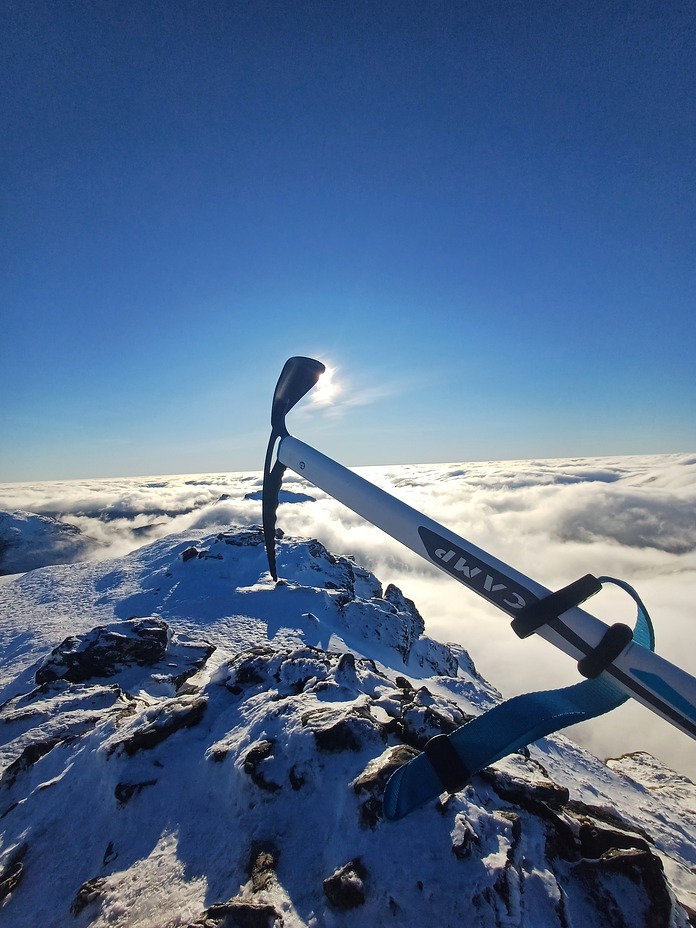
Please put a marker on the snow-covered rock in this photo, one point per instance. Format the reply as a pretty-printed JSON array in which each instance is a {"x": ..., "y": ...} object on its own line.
[{"x": 187, "y": 743}]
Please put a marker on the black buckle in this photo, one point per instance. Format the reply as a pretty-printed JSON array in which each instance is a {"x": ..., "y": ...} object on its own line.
[
  {"x": 532, "y": 617},
  {"x": 612, "y": 644}
]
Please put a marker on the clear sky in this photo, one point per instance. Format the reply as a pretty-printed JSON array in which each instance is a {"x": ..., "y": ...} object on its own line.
[{"x": 482, "y": 214}]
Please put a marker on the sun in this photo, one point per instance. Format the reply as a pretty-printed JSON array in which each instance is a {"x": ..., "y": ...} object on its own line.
[{"x": 326, "y": 390}]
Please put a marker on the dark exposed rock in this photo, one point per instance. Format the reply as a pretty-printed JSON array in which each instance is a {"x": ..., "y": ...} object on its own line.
[
  {"x": 574, "y": 831},
  {"x": 105, "y": 651},
  {"x": 291, "y": 672},
  {"x": 189, "y": 554},
  {"x": 263, "y": 862},
  {"x": 29, "y": 756},
  {"x": 413, "y": 629},
  {"x": 249, "y": 668},
  {"x": 423, "y": 716},
  {"x": 345, "y": 888},
  {"x": 88, "y": 893},
  {"x": 297, "y": 781},
  {"x": 239, "y": 914},
  {"x": 641, "y": 868},
  {"x": 526, "y": 793},
  {"x": 12, "y": 870},
  {"x": 507, "y": 879},
  {"x": 343, "y": 736},
  {"x": 110, "y": 854},
  {"x": 590, "y": 814},
  {"x": 125, "y": 791},
  {"x": 244, "y": 539},
  {"x": 561, "y": 842},
  {"x": 371, "y": 782},
  {"x": 596, "y": 841},
  {"x": 374, "y": 777},
  {"x": 348, "y": 729},
  {"x": 371, "y": 812},
  {"x": 164, "y": 720},
  {"x": 253, "y": 761},
  {"x": 345, "y": 670},
  {"x": 196, "y": 657},
  {"x": 598, "y": 854},
  {"x": 317, "y": 550},
  {"x": 464, "y": 837}
]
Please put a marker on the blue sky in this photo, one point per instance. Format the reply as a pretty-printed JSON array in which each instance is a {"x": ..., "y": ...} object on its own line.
[{"x": 482, "y": 214}]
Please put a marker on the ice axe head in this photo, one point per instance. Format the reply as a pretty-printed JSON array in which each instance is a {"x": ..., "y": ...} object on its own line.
[{"x": 296, "y": 379}]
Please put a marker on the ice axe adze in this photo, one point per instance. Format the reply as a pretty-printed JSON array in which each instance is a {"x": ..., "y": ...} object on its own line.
[{"x": 612, "y": 654}]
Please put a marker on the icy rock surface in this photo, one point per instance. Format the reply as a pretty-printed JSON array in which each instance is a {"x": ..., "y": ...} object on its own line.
[{"x": 232, "y": 772}]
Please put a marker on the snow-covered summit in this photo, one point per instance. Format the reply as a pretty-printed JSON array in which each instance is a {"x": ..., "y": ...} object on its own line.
[{"x": 185, "y": 743}]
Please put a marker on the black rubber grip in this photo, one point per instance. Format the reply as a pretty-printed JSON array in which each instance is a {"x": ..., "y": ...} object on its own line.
[{"x": 533, "y": 616}]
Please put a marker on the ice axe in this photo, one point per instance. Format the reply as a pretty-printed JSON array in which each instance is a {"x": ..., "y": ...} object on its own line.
[{"x": 614, "y": 654}]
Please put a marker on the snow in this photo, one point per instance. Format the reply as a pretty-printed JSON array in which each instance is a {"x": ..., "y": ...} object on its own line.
[{"x": 242, "y": 783}]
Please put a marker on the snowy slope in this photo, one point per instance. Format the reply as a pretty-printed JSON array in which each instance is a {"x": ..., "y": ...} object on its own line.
[{"x": 185, "y": 743}]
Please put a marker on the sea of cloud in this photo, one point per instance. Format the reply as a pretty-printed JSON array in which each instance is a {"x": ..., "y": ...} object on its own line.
[{"x": 554, "y": 520}]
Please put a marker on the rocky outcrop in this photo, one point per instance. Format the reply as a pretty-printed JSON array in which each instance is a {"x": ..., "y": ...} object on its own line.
[
  {"x": 345, "y": 888},
  {"x": 109, "y": 649},
  {"x": 244, "y": 787},
  {"x": 316, "y": 707},
  {"x": 12, "y": 870},
  {"x": 239, "y": 914},
  {"x": 105, "y": 650},
  {"x": 155, "y": 724}
]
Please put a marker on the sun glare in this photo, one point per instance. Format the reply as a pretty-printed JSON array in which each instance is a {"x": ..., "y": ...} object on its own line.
[{"x": 326, "y": 389}]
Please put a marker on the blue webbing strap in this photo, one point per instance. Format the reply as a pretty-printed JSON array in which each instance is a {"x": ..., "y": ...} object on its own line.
[{"x": 504, "y": 729}]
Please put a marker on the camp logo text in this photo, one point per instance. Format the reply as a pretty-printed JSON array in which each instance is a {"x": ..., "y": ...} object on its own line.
[{"x": 468, "y": 569}]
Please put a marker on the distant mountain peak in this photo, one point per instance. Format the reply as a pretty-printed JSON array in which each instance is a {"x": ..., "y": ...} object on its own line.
[{"x": 28, "y": 540}]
